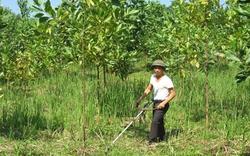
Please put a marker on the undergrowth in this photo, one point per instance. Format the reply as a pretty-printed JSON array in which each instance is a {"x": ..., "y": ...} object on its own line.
[{"x": 43, "y": 117}]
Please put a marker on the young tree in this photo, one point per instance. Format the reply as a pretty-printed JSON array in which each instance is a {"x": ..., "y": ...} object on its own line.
[{"x": 240, "y": 57}]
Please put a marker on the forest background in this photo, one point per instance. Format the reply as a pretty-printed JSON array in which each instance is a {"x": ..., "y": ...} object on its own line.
[{"x": 70, "y": 76}]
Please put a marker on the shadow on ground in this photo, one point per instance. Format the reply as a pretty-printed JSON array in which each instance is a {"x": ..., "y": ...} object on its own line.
[
  {"x": 19, "y": 124},
  {"x": 245, "y": 154}
]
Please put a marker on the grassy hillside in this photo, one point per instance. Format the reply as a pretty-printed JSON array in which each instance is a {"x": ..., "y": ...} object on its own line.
[{"x": 43, "y": 117}]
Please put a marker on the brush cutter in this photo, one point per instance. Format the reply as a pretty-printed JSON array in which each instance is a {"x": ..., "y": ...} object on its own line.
[{"x": 142, "y": 111}]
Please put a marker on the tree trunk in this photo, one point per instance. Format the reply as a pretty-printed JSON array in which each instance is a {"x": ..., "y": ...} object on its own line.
[
  {"x": 207, "y": 68},
  {"x": 98, "y": 88},
  {"x": 83, "y": 80},
  {"x": 104, "y": 80}
]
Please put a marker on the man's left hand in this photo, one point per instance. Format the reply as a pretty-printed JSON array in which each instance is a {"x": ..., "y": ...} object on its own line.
[{"x": 160, "y": 106}]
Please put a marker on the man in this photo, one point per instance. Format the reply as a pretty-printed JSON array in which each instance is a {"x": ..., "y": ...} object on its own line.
[{"x": 163, "y": 93}]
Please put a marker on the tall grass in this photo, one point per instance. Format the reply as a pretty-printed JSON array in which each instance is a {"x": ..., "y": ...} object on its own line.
[{"x": 49, "y": 109}]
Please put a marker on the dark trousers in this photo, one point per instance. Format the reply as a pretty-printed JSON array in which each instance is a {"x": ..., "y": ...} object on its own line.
[{"x": 157, "y": 126}]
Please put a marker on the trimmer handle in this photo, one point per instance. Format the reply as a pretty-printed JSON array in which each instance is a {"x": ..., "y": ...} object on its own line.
[{"x": 147, "y": 104}]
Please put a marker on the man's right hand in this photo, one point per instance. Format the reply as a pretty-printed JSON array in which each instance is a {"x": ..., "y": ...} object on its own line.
[{"x": 138, "y": 102}]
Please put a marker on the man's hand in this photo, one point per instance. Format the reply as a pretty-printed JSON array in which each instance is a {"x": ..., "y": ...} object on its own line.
[
  {"x": 137, "y": 102},
  {"x": 160, "y": 106}
]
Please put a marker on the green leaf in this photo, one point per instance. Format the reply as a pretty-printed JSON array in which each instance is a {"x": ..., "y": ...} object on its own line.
[
  {"x": 119, "y": 27},
  {"x": 68, "y": 50},
  {"x": 116, "y": 2},
  {"x": 89, "y": 2},
  {"x": 61, "y": 18},
  {"x": 243, "y": 11},
  {"x": 132, "y": 12},
  {"x": 107, "y": 19},
  {"x": 222, "y": 55},
  {"x": 49, "y": 9},
  {"x": 240, "y": 77},
  {"x": 3, "y": 26},
  {"x": 248, "y": 60},
  {"x": 243, "y": 1},
  {"x": 233, "y": 58},
  {"x": 59, "y": 11},
  {"x": 40, "y": 27},
  {"x": 47, "y": 5},
  {"x": 38, "y": 2},
  {"x": 37, "y": 8},
  {"x": 52, "y": 22},
  {"x": 97, "y": 48},
  {"x": 43, "y": 19},
  {"x": 39, "y": 15},
  {"x": 48, "y": 31}
]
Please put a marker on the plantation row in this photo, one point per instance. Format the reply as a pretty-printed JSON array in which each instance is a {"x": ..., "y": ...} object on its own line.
[{"x": 112, "y": 35}]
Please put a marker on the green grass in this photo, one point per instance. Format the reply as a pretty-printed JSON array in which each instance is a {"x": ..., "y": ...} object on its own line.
[{"x": 43, "y": 117}]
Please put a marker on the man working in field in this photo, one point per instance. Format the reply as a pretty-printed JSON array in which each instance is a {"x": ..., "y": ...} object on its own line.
[{"x": 163, "y": 93}]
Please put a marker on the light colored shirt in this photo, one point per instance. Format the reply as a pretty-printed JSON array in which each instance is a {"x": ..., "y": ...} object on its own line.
[{"x": 161, "y": 87}]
